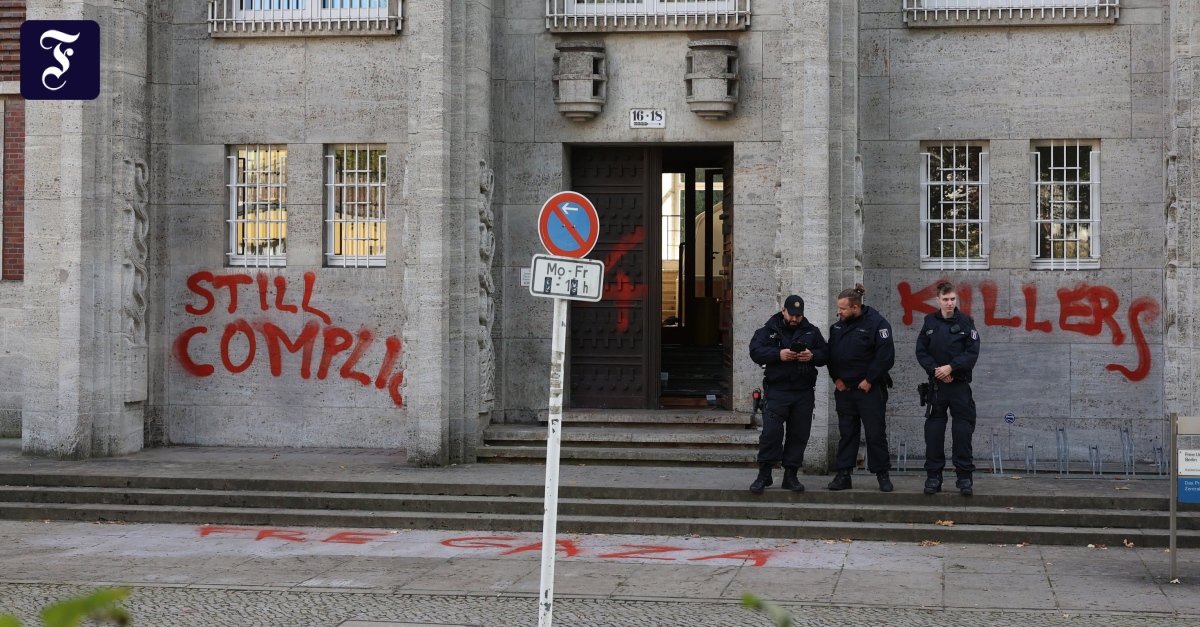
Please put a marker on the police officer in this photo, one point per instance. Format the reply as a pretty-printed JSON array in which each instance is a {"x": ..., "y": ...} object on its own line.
[
  {"x": 861, "y": 353},
  {"x": 947, "y": 349},
  {"x": 790, "y": 348}
]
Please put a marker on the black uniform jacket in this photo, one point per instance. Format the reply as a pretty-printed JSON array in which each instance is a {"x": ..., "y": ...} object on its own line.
[
  {"x": 951, "y": 341},
  {"x": 861, "y": 349},
  {"x": 776, "y": 336}
]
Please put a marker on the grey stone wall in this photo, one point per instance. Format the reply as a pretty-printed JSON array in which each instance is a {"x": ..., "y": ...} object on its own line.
[{"x": 1010, "y": 86}]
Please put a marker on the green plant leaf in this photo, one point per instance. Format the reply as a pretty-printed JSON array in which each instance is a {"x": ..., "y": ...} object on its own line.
[
  {"x": 781, "y": 616},
  {"x": 100, "y": 605},
  {"x": 9, "y": 620}
]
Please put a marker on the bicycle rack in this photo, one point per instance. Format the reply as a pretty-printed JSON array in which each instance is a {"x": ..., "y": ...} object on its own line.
[
  {"x": 1127, "y": 460},
  {"x": 1064, "y": 450},
  {"x": 1094, "y": 460},
  {"x": 1030, "y": 459},
  {"x": 997, "y": 458},
  {"x": 1161, "y": 462},
  {"x": 902, "y": 456}
]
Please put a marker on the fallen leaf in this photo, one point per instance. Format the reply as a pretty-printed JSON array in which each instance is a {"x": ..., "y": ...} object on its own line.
[
  {"x": 928, "y": 543},
  {"x": 1128, "y": 544},
  {"x": 847, "y": 540},
  {"x": 740, "y": 537},
  {"x": 1016, "y": 478},
  {"x": 946, "y": 523},
  {"x": 1008, "y": 508},
  {"x": 1023, "y": 544},
  {"x": 1175, "y": 581},
  {"x": 1124, "y": 487},
  {"x": 1097, "y": 546}
]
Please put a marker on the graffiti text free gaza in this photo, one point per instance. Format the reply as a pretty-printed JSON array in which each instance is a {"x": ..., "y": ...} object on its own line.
[{"x": 331, "y": 340}]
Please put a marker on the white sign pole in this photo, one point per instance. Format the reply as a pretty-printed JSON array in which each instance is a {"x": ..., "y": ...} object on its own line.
[
  {"x": 558, "y": 346},
  {"x": 1174, "y": 489}
]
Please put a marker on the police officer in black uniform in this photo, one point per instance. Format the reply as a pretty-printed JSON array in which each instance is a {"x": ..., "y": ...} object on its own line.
[
  {"x": 790, "y": 348},
  {"x": 947, "y": 349},
  {"x": 861, "y": 353}
]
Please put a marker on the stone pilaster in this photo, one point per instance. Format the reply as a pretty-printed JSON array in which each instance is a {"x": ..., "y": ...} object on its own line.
[
  {"x": 807, "y": 219},
  {"x": 1182, "y": 275},
  {"x": 86, "y": 230}
]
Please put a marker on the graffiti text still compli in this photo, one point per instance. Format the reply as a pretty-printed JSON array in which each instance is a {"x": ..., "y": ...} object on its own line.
[{"x": 333, "y": 339}]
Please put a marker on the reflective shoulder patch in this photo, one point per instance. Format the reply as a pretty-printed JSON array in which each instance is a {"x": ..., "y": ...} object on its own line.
[
  {"x": 929, "y": 332},
  {"x": 974, "y": 335},
  {"x": 883, "y": 333}
]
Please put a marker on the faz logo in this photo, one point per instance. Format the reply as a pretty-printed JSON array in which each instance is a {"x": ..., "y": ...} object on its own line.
[{"x": 60, "y": 60}]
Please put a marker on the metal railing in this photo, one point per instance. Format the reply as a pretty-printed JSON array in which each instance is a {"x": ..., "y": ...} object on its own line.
[
  {"x": 233, "y": 17},
  {"x": 647, "y": 13},
  {"x": 926, "y": 10}
]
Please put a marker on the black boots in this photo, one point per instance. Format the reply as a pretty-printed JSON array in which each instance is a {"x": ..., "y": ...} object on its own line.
[
  {"x": 791, "y": 481},
  {"x": 933, "y": 484},
  {"x": 764, "y": 479},
  {"x": 841, "y": 481},
  {"x": 885, "y": 482},
  {"x": 964, "y": 484}
]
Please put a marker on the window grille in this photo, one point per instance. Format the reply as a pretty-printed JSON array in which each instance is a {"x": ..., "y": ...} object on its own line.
[
  {"x": 258, "y": 206},
  {"x": 356, "y": 206},
  {"x": 302, "y": 16},
  {"x": 954, "y": 207},
  {"x": 717, "y": 14},
  {"x": 1065, "y": 203},
  {"x": 932, "y": 10}
]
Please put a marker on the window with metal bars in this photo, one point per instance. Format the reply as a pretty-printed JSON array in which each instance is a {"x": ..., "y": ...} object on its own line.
[
  {"x": 567, "y": 13},
  {"x": 242, "y": 17},
  {"x": 954, "y": 206},
  {"x": 257, "y": 206},
  {"x": 1065, "y": 205},
  {"x": 356, "y": 205}
]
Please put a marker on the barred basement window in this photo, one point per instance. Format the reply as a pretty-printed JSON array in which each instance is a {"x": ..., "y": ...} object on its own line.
[
  {"x": 591, "y": 15},
  {"x": 356, "y": 205},
  {"x": 1065, "y": 203},
  {"x": 241, "y": 18},
  {"x": 954, "y": 206},
  {"x": 258, "y": 206}
]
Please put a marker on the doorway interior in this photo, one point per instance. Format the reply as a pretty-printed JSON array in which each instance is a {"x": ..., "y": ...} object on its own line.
[{"x": 660, "y": 339}]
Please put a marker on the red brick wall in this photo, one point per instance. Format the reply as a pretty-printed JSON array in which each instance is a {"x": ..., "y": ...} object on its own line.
[
  {"x": 12, "y": 249},
  {"x": 12, "y": 13}
]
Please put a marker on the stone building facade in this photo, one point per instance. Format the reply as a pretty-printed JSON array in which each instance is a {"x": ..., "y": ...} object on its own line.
[{"x": 200, "y": 254}]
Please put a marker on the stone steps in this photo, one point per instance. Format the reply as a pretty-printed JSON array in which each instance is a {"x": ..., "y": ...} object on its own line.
[
  {"x": 1045, "y": 514},
  {"x": 625, "y": 456},
  {"x": 797, "y": 509},
  {"x": 663, "y": 437}
]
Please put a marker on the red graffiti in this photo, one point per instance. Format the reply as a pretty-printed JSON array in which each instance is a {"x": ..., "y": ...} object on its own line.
[
  {"x": 332, "y": 339},
  {"x": 1031, "y": 324},
  {"x": 479, "y": 542},
  {"x": 282, "y": 534},
  {"x": 1097, "y": 304},
  {"x": 618, "y": 286},
  {"x": 990, "y": 292},
  {"x": 642, "y": 551},
  {"x": 353, "y": 537},
  {"x": 758, "y": 556},
  {"x": 1085, "y": 309},
  {"x": 566, "y": 546},
  {"x": 1152, "y": 310},
  {"x": 181, "y": 353}
]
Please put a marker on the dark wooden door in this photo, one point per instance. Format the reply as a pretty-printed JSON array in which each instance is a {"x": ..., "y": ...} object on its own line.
[{"x": 613, "y": 342}]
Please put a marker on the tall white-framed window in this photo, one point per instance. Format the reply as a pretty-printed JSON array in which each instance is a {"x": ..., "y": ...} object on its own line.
[
  {"x": 257, "y": 205},
  {"x": 955, "y": 207},
  {"x": 1064, "y": 201},
  {"x": 356, "y": 205}
]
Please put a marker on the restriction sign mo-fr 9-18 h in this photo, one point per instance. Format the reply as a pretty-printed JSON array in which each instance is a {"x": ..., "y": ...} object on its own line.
[{"x": 572, "y": 279}]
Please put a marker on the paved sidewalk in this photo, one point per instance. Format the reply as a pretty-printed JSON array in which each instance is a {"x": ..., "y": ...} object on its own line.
[{"x": 197, "y": 575}]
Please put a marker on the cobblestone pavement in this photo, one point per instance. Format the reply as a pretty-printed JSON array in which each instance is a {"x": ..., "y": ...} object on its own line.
[{"x": 170, "y": 607}]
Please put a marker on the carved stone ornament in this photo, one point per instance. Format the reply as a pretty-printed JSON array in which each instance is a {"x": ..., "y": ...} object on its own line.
[
  {"x": 712, "y": 78},
  {"x": 136, "y": 254},
  {"x": 487, "y": 287},
  {"x": 580, "y": 79}
]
